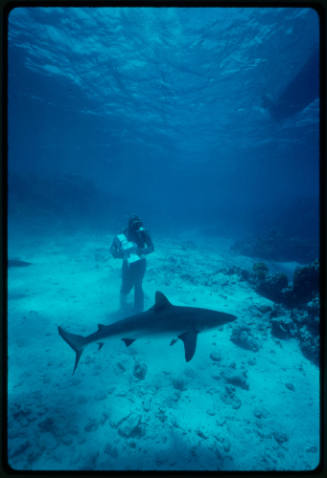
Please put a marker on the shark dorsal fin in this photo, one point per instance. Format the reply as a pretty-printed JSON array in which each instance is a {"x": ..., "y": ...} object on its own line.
[{"x": 161, "y": 301}]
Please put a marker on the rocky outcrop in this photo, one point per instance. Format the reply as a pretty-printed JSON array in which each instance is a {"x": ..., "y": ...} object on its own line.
[
  {"x": 272, "y": 286},
  {"x": 305, "y": 286},
  {"x": 140, "y": 370},
  {"x": 242, "y": 336},
  {"x": 283, "y": 327},
  {"x": 237, "y": 378},
  {"x": 296, "y": 311},
  {"x": 302, "y": 324},
  {"x": 230, "y": 398},
  {"x": 309, "y": 344},
  {"x": 131, "y": 426},
  {"x": 277, "y": 247}
]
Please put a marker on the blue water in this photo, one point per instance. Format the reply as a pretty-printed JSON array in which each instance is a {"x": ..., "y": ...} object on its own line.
[{"x": 205, "y": 122}]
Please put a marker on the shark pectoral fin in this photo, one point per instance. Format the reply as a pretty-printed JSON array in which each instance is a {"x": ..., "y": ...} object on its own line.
[
  {"x": 128, "y": 342},
  {"x": 173, "y": 341},
  {"x": 189, "y": 339},
  {"x": 100, "y": 344}
]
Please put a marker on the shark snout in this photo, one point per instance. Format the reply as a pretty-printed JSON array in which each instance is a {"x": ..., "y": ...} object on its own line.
[
  {"x": 230, "y": 318},
  {"x": 224, "y": 318},
  {"x": 216, "y": 319}
]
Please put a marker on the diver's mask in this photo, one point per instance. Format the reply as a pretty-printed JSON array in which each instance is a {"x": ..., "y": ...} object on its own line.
[{"x": 137, "y": 226}]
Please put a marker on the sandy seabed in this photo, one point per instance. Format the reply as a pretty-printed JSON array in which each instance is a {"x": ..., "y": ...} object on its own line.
[{"x": 143, "y": 407}]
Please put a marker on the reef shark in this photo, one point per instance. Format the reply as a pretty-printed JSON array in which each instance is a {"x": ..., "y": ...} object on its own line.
[{"x": 162, "y": 318}]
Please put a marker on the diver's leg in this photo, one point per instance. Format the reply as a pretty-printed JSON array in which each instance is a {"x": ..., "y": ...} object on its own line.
[
  {"x": 126, "y": 285},
  {"x": 138, "y": 290}
]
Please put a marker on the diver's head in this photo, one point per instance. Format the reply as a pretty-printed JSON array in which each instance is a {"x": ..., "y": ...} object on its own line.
[{"x": 134, "y": 223}]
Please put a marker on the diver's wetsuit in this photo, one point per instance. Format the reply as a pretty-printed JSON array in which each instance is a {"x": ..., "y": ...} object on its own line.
[{"x": 132, "y": 274}]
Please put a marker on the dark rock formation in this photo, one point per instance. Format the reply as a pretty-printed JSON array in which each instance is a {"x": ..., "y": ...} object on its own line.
[
  {"x": 283, "y": 327},
  {"x": 260, "y": 270},
  {"x": 111, "y": 450},
  {"x": 276, "y": 246},
  {"x": 307, "y": 317},
  {"x": 290, "y": 386},
  {"x": 264, "y": 309},
  {"x": 313, "y": 307},
  {"x": 280, "y": 437},
  {"x": 91, "y": 426},
  {"x": 275, "y": 287},
  {"x": 277, "y": 311},
  {"x": 47, "y": 425},
  {"x": 22, "y": 414},
  {"x": 301, "y": 297},
  {"x": 242, "y": 337},
  {"x": 21, "y": 448},
  {"x": 131, "y": 426},
  {"x": 140, "y": 370},
  {"x": 237, "y": 378},
  {"x": 272, "y": 286},
  {"x": 306, "y": 282},
  {"x": 215, "y": 356},
  {"x": 303, "y": 326},
  {"x": 179, "y": 383},
  {"x": 260, "y": 413},
  {"x": 231, "y": 270},
  {"x": 310, "y": 345},
  {"x": 229, "y": 397}
]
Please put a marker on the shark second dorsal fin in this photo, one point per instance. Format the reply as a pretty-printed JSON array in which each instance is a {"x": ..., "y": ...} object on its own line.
[{"x": 161, "y": 301}]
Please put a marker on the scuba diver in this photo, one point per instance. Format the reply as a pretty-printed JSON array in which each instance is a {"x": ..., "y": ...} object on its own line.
[{"x": 132, "y": 245}]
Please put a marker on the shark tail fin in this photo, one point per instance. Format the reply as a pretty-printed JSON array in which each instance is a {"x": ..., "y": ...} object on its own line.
[{"x": 77, "y": 342}]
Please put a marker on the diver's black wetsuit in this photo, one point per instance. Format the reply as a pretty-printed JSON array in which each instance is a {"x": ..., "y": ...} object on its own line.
[{"x": 132, "y": 274}]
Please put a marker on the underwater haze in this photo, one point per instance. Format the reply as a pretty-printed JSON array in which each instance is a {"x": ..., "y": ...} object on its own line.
[{"x": 205, "y": 123}]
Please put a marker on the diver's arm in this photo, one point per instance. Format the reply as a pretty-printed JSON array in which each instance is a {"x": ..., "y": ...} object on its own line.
[
  {"x": 149, "y": 244},
  {"x": 115, "y": 249}
]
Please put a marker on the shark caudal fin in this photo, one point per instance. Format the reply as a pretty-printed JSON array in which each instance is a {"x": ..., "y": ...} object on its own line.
[{"x": 77, "y": 342}]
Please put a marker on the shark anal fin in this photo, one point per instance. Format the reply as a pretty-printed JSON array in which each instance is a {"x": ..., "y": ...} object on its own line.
[
  {"x": 100, "y": 344},
  {"x": 173, "y": 341},
  {"x": 189, "y": 339},
  {"x": 128, "y": 342}
]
